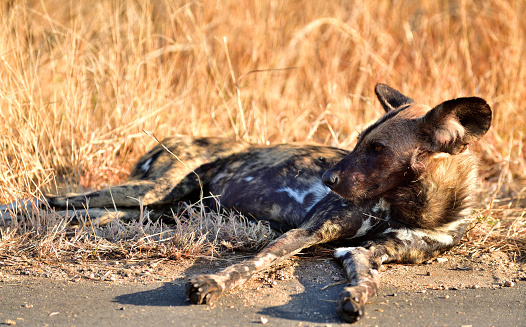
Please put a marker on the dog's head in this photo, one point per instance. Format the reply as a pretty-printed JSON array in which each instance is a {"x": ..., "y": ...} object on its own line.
[{"x": 397, "y": 147}]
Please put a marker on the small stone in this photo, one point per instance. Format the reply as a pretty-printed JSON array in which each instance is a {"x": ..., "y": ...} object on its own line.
[
  {"x": 509, "y": 283},
  {"x": 263, "y": 320},
  {"x": 429, "y": 273},
  {"x": 475, "y": 286},
  {"x": 441, "y": 260}
]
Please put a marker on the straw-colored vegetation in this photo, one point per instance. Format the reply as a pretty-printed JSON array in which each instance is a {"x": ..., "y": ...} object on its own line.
[{"x": 80, "y": 82}]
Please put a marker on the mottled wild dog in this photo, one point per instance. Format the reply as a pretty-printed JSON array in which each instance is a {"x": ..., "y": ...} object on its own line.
[{"x": 401, "y": 195}]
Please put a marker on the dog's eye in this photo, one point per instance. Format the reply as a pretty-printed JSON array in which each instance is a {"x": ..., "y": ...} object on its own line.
[{"x": 378, "y": 148}]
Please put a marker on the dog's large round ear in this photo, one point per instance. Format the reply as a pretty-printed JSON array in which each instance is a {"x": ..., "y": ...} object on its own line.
[
  {"x": 452, "y": 125},
  {"x": 390, "y": 98}
]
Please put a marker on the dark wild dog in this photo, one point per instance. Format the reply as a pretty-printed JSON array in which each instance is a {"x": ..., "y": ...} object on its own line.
[{"x": 403, "y": 194}]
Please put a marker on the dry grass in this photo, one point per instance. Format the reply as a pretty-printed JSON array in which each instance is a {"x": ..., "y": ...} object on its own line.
[
  {"x": 46, "y": 235},
  {"x": 79, "y": 82}
]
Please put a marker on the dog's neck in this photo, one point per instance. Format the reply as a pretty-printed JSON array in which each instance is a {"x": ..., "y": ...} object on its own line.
[{"x": 438, "y": 196}]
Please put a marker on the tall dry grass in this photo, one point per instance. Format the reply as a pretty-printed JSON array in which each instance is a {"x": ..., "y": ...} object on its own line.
[{"x": 81, "y": 80}]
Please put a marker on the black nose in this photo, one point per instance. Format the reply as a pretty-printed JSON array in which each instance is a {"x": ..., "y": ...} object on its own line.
[{"x": 329, "y": 178}]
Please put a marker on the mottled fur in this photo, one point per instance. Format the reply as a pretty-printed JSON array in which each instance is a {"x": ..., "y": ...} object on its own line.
[{"x": 402, "y": 195}]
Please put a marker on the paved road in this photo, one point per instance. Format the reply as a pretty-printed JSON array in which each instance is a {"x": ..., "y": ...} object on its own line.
[{"x": 295, "y": 302}]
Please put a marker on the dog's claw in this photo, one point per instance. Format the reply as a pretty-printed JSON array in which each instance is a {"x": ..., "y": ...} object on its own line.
[
  {"x": 350, "y": 308},
  {"x": 202, "y": 289}
]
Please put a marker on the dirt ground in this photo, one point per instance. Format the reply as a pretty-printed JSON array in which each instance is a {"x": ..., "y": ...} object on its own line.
[
  {"x": 449, "y": 271},
  {"x": 452, "y": 291}
]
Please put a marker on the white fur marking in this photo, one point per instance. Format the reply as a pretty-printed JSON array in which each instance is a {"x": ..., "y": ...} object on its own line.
[
  {"x": 381, "y": 205},
  {"x": 318, "y": 191},
  {"x": 451, "y": 130},
  {"x": 218, "y": 177},
  {"x": 297, "y": 195},
  {"x": 439, "y": 236},
  {"x": 341, "y": 252},
  {"x": 366, "y": 226},
  {"x": 442, "y": 238},
  {"x": 453, "y": 225},
  {"x": 441, "y": 155},
  {"x": 404, "y": 235},
  {"x": 384, "y": 258},
  {"x": 146, "y": 166}
]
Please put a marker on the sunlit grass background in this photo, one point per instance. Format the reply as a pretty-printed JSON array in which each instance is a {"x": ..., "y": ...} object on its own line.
[{"x": 80, "y": 82}]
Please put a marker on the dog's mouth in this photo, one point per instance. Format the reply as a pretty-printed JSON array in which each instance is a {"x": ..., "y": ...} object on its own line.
[{"x": 355, "y": 194}]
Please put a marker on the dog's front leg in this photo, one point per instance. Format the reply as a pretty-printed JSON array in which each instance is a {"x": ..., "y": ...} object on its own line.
[
  {"x": 329, "y": 220},
  {"x": 401, "y": 245},
  {"x": 204, "y": 289},
  {"x": 364, "y": 280}
]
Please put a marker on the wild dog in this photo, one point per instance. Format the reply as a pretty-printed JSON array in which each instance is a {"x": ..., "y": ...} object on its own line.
[{"x": 403, "y": 194}]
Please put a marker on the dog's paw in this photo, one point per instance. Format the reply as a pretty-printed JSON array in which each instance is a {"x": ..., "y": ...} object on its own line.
[
  {"x": 350, "y": 305},
  {"x": 203, "y": 289}
]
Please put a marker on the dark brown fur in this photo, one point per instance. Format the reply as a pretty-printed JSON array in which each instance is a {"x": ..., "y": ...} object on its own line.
[{"x": 402, "y": 195}]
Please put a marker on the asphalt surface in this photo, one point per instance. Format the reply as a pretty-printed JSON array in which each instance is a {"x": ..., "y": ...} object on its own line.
[{"x": 300, "y": 301}]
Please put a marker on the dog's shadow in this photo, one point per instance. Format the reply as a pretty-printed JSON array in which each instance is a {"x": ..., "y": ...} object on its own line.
[
  {"x": 310, "y": 296},
  {"x": 315, "y": 303},
  {"x": 170, "y": 294}
]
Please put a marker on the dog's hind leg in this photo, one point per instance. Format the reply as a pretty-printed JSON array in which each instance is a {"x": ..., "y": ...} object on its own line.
[
  {"x": 102, "y": 216},
  {"x": 99, "y": 216},
  {"x": 362, "y": 264},
  {"x": 166, "y": 174},
  {"x": 129, "y": 194}
]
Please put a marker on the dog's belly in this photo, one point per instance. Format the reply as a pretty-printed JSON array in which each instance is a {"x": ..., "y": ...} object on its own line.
[{"x": 279, "y": 184}]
